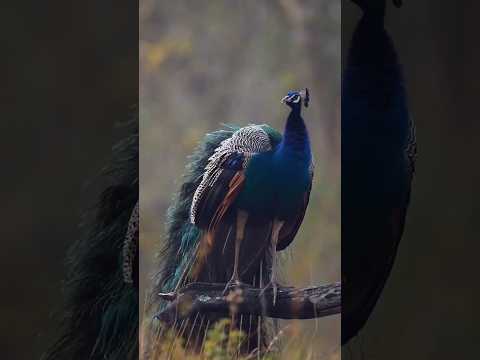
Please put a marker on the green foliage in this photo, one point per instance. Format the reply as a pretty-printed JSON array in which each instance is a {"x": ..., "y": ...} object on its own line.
[{"x": 222, "y": 344}]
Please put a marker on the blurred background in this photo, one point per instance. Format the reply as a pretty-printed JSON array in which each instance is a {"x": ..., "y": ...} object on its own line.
[
  {"x": 428, "y": 309},
  {"x": 207, "y": 63}
]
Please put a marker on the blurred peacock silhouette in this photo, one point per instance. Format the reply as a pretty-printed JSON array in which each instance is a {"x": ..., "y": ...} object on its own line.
[
  {"x": 100, "y": 316},
  {"x": 243, "y": 198},
  {"x": 378, "y": 161}
]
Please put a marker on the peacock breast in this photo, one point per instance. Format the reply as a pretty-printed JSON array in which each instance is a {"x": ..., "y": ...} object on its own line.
[
  {"x": 257, "y": 194},
  {"x": 274, "y": 187},
  {"x": 292, "y": 181}
]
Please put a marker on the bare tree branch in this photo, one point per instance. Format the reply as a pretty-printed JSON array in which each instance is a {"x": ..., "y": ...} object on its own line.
[{"x": 291, "y": 303}]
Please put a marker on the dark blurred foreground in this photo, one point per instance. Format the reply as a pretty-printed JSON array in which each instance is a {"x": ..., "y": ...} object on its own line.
[
  {"x": 428, "y": 309},
  {"x": 72, "y": 70}
]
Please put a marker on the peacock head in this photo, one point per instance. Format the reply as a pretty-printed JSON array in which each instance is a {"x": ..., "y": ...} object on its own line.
[{"x": 295, "y": 99}]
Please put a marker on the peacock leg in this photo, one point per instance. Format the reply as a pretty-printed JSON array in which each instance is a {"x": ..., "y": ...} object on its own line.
[
  {"x": 277, "y": 226},
  {"x": 242, "y": 217}
]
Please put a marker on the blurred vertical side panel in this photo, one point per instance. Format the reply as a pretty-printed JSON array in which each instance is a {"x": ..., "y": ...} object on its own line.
[
  {"x": 409, "y": 217},
  {"x": 70, "y": 180}
]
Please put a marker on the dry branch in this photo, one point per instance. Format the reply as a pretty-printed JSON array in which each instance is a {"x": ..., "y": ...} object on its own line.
[{"x": 291, "y": 303}]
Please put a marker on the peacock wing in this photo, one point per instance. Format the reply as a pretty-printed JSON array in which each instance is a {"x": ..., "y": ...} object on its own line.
[
  {"x": 211, "y": 210},
  {"x": 224, "y": 175},
  {"x": 130, "y": 249},
  {"x": 291, "y": 226}
]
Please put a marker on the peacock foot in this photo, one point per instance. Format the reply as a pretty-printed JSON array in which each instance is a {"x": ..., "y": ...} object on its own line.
[
  {"x": 271, "y": 285},
  {"x": 232, "y": 284}
]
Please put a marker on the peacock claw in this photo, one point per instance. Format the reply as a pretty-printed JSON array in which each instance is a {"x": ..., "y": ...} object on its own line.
[
  {"x": 232, "y": 284},
  {"x": 168, "y": 296},
  {"x": 271, "y": 285}
]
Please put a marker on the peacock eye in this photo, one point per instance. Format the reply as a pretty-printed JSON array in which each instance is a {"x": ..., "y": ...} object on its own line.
[{"x": 293, "y": 97}]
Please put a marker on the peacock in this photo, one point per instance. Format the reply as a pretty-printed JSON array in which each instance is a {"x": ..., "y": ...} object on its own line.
[
  {"x": 378, "y": 164},
  {"x": 243, "y": 198},
  {"x": 100, "y": 318}
]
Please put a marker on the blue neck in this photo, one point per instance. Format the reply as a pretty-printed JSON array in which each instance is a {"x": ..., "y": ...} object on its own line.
[{"x": 295, "y": 137}]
